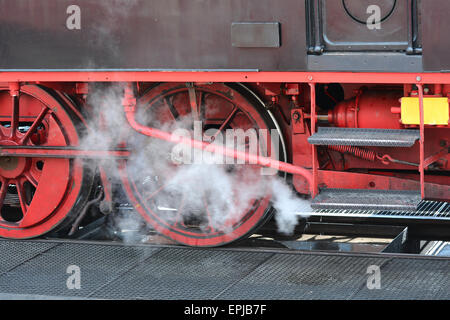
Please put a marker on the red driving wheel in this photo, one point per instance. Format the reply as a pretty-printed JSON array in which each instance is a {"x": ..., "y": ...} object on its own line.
[
  {"x": 38, "y": 195},
  {"x": 148, "y": 176}
]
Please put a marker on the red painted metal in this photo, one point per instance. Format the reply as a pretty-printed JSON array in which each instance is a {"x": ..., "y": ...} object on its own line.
[
  {"x": 315, "y": 187},
  {"x": 422, "y": 142},
  {"x": 432, "y": 159},
  {"x": 369, "y": 109},
  {"x": 352, "y": 180},
  {"x": 298, "y": 121},
  {"x": 205, "y": 76}
]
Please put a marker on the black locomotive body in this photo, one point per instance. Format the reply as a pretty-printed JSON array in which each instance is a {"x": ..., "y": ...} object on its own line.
[{"x": 269, "y": 35}]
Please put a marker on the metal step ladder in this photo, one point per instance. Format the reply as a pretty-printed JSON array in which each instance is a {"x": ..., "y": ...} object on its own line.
[
  {"x": 362, "y": 199},
  {"x": 365, "y": 198}
]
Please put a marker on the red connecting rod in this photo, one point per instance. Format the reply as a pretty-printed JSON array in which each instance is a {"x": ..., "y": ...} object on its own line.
[{"x": 130, "y": 111}]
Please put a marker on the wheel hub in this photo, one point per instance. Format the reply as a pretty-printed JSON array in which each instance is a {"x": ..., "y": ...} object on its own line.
[{"x": 12, "y": 167}]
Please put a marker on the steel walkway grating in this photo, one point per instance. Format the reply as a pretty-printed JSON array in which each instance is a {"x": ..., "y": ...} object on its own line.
[
  {"x": 429, "y": 210},
  {"x": 362, "y": 199},
  {"x": 364, "y": 137},
  {"x": 38, "y": 269}
]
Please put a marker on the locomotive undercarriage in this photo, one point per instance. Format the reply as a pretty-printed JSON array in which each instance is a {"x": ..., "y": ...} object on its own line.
[{"x": 48, "y": 175}]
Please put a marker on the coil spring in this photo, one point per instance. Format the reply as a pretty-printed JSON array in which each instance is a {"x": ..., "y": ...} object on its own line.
[{"x": 357, "y": 152}]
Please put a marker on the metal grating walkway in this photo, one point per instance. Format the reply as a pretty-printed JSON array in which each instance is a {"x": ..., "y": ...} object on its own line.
[
  {"x": 426, "y": 210},
  {"x": 38, "y": 269}
]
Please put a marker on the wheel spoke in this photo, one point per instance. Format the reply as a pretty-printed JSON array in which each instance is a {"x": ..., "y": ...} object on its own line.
[
  {"x": 154, "y": 193},
  {"x": 161, "y": 188},
  {"x": 2, "y": 133},
  {"x": 208, "y": 215},
  {"x": 14, "y": 116},
  {"x": 200, "y": 104},
  {"x": 226, "y": 122},
  {"x": 194, "y": 103},
  {"x": 173, "y": 112},
  {"x": 31, "y": 179},
  {"x": 35, "y": 124},
  {"x": 22, "y": 196},
  {"x": 3, "y": 191}
]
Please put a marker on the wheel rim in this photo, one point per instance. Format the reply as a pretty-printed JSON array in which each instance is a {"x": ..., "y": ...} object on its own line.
[
  {"x": 219, "y": 106},
  {"x": 37, "y": 194}
]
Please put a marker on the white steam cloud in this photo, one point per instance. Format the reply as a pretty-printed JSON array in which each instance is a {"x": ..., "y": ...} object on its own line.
[
  {"x": 289, "y": 207},
  {"x": 224, "y": 190}
]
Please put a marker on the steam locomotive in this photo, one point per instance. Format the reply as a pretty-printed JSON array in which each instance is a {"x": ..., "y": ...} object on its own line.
[{"x": 356, "y": 90}]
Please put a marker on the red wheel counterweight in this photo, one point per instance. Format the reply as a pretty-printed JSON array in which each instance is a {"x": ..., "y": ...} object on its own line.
[
  {"x": 198, "y": 204},
  {"x": 38, "y": 195}
]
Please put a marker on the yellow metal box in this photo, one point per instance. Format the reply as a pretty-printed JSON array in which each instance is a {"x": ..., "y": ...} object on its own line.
[{"x": 435, "y": 110}]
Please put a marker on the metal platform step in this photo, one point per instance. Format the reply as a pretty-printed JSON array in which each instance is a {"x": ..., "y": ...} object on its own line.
[
  {"x": 364, "y": 137},
  {"x": 426, "y": 210},
  {"x": 366, "y": 199}
]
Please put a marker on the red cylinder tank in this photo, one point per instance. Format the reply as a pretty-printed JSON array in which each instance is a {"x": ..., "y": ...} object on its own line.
[{"x": 369, "y": 109}]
